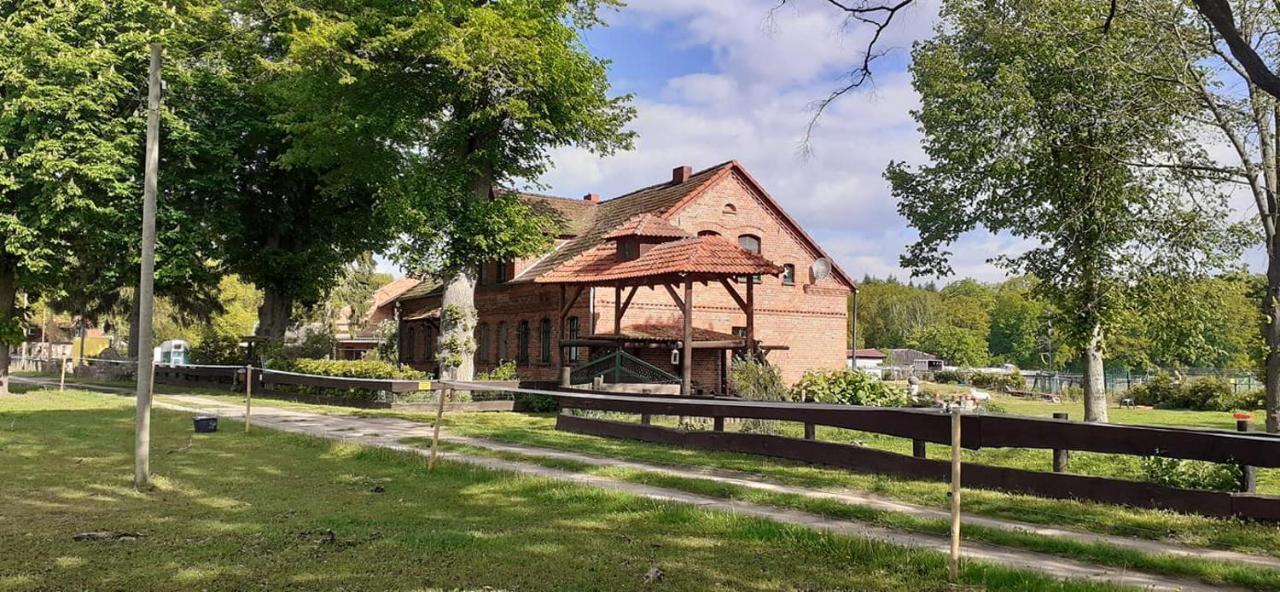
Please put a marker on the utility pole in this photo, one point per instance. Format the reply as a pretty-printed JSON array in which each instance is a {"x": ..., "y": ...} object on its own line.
[{"x": 142, "y": 428}]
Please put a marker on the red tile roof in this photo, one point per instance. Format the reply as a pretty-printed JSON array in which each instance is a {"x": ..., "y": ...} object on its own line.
[
  {"x": 699, "y": 256},
  {"x": 647, "y": 225},
  {"x": 609, "y": 214},
  {"x": 656, "y": 332},
  {"x": 867, "y": 353}
]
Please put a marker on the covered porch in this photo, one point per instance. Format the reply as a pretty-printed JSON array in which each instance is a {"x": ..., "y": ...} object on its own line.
[{"x": 650, "y": 253}]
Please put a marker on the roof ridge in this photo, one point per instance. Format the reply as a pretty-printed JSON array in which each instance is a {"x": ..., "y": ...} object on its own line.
[
  {"x": 547, "y": 196},
  {"x": 665, "y": 183}
]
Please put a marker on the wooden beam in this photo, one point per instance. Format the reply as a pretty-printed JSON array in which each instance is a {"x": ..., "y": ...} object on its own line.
[
  {"x": 751, "y": 316},
  {"x": 617, "y": 309},
  {"x": 567, "y": 304},
  {"x": 674, "y": 296},
  {"x": 626, "y": 303},
  {"x": 686, "y": 358},
  {"x": 734, "y": 292}
]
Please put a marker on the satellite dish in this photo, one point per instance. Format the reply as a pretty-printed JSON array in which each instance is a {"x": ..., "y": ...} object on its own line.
[{"x": 821, "y": 269}]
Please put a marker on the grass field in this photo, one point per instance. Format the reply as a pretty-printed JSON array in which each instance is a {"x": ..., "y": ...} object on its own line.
[
  {"x": 539, "y": 430},
  {"x": 273, "y": 511}
]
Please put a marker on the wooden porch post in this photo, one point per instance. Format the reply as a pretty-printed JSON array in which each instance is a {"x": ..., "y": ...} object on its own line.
[
  {"x": 751, "y": 317},
  {"x": 617, "y": 310},
  {"x": 686, "y": 369}
]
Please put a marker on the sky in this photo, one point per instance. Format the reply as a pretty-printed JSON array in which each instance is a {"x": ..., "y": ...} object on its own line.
[{"x": 718, "y": 80}]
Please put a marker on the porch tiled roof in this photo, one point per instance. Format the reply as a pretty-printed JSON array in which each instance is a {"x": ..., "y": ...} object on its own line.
[
  {"x": 703, "y": 255},
  {"x": 647, "y": 225},
  {"x": 611, "y": 213},
  {"x": 660, "y": 332}
]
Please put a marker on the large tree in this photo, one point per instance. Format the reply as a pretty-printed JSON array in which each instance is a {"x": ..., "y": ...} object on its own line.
[
  {"x": 1037, "y": 123},
  {"x": 452, "y": 99},
  {"x": 71, "y": 78}
]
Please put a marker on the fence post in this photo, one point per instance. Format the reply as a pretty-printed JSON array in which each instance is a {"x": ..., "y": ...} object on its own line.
[
  {"x": 248, "y": 395},
  {"x": 62, "y": 373},
  {"x": 918, "y": 449},
  {"x": 809, "y": 431},
  {"x": 1248, "y": 475},
  {"x": 954, "y": 570},
  {"x": 645, "y": 419},
  {"x": 1060, "y": 456},
  {"x": 435, "y": 431},
  {"x": 565, "y": 374},
  {"x": 718, "y": 424}
]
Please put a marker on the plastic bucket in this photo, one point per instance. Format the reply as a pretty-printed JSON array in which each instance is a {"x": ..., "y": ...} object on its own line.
[{"x": 205, "y": 424}]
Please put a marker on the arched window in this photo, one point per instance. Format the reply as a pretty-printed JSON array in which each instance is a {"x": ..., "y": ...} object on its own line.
[
  {"x": 522, "y": 343},
  {"x": 729, "y": 210},
  {"x": 406, "y": 345},
  {"x": 502, "y": 342},
  {"x": 708, "y": 233},
  {"x": 544, "y": 341},
  {"x": 482, "y": 342},
  {"x": 572, "y": 331},
  {"x": 429, "y": 347},
  {"x": 788, "y": 274},
  {"x": 751, "y": 244}
]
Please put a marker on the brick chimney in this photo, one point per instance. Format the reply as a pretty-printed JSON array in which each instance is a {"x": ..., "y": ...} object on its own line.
[
  {"x": 681, "y": 174},
  {"x": 592, "y": 197}
]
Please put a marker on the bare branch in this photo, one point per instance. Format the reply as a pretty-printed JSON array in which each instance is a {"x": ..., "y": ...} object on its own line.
[{"x": 1219, "y": 14}]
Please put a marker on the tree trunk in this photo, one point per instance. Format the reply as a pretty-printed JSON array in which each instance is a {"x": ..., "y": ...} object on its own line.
[
  {"x": 1095, "y": 382},
  {"x": 274, "y": 316},
  {"x": 8, "y": 295},
  {"x": 1271, "y": 312},
  {"x": 456, "y": 346}
]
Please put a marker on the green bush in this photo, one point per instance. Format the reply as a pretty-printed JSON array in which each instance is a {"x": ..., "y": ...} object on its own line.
[
  {"x": 847, "y": 387},
  {"x": 951, "y": 377},
  {"x": 1190, "y": 474},
  {"x": 375, "y": 369},
  {"x": 994, "y": 381},
  {"x": 218, "y": 350},
  {"x": 758, "y": 381},
  {"x": 371, "y": 369},
  {"x": 1206, "y": 393},
  {"x": 504, "y": 371},
  {"x": 1245, "y": 401}
]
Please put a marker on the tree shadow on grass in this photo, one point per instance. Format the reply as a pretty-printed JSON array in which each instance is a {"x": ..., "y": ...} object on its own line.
[{"x": 270, "y": 510}]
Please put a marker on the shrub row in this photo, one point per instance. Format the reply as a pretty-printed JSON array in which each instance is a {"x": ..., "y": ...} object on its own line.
[
  {"x": 1206, "y": 393},
  {"x": 371, "y": 369},
  {"x": 847, "y": 387},
  {"x": 988, "y": 380}
]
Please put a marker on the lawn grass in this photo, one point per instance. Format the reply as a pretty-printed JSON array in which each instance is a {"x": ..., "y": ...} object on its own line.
[
  {"x": 1208, "y": 571},
  {"x": 538, "y": 430},
  {"x": 270, "y": 510}
]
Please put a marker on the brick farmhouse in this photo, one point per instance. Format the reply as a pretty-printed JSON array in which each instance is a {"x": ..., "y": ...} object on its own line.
[{"x": 708, "y": 219}]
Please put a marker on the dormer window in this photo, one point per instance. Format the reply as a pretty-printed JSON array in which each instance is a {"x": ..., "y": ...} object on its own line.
[
  {"x": 730, "y": 210},
  {"x": 628, "y": 249}
]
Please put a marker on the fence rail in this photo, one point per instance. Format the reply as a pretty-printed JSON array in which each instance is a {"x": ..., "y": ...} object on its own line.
[{"x": 979, "y": 431}]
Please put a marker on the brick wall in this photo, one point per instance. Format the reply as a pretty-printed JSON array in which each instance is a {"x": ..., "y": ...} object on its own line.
[{"x": 808, "y": 317}]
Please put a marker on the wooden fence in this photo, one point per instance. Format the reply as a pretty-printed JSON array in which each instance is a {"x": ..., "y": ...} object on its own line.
[{"x": 927, "y": 425}]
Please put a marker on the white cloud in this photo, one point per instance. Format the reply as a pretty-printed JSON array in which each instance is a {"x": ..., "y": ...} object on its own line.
[{"x": 753, "y": 105}]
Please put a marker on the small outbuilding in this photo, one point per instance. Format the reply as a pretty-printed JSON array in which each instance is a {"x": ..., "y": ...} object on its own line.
[{"x": 866, "y": 359}]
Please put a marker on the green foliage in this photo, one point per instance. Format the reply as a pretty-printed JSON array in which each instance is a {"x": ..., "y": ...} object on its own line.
[
  {"x": 956, "y": 345},
  {"x": 1204, "y": 393},
  {"x": 888, "y": 312},
  {"x": 847, "y": 387},
  {"x": 351, "y": 369},
  {"x": 504, "y": 371},
  {"x": 985, "y": 380},
  {"x": 1034, "y": 118},
  {"x": 758, "y": 381},
  {"x": 218, "y": 349},
  {"x": 388, "y": 334},
  {"x": 1190, "y": 474}
]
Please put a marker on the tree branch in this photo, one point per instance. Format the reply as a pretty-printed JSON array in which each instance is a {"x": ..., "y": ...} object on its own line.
[{"x": 1218, "y": 13}]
